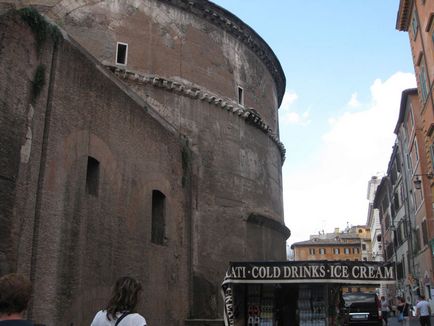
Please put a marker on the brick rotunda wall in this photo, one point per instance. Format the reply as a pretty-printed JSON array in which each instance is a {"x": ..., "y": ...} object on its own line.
[{"x": 188, "y": 60}]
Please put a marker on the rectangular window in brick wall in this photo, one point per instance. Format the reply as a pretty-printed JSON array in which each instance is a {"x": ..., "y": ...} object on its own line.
[
  {"x": 431, "y": 150},
  {"x": 414, "y": 24},
  {"x": 423, "y": 81},
  {"x": 158, "y": 217},
  {"x": 92, "y": 176},
  {"x": 121, "y": 53},
  {"x": 240, "y": 95}
]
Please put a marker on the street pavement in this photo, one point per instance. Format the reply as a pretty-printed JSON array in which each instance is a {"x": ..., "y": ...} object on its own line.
[{"x": 393, "y": 321}]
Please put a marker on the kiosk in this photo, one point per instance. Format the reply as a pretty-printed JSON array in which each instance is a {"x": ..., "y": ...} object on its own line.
[{"x": 299, "y": 293}]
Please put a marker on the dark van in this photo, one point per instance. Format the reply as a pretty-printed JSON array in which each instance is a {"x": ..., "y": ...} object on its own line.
[{"x": 359, "y": 308}]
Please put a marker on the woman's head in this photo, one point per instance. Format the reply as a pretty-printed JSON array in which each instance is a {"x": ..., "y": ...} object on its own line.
[
  {"x": 15, "y": 292},
  {"x": 125, "y": 296}
]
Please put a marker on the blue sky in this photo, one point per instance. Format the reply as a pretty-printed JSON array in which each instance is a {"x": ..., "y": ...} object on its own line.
[{"x": 346, "y": 66}]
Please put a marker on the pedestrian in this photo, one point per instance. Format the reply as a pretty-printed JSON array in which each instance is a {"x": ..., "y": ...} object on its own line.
[
  {"x": 384, "y": 309},
  {"x": 404, "y": 312},
  {"x": 423, "y": 311},
  {"x": 15, "y": 293},
  {"x": 121, "y": 308}
]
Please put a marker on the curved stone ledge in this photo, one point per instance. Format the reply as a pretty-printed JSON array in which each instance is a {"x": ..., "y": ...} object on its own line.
[
  {"x": 262, "y": 220},
  {"x": 204, "y": 9},
  {"x": 240, "y": 30},
  {"x": 250, "y": 115}
]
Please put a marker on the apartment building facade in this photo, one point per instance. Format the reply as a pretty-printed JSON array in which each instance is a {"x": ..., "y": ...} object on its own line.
[
  {"x": 412, "y": 227},
  {"x": 373, "y": 221},
  {"x": 352, "y": 244},
  {"x": 415, "y": 130}
]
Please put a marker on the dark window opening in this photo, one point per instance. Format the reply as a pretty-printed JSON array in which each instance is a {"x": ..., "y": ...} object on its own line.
[
  {"x": 240, "y": 96},
  {"x": 431, "y": 148},
  {"x": 396, "y": 201},
  {"x": 92, "y": 176},
  {"x": 387, "y": 221},
  {"x": 399, "y": 271},
  {"x": 158, "y": 217},
  {"x": 416, "y": 247},
  {"x": 398, "y": 233},
  {"x": 398, "y": 163},
  {"x": 389, "y": 251},
  {"x": 121, "y": 53},
  {"x": 414, "y": 24},
  {"x": 424, "y": 233}
]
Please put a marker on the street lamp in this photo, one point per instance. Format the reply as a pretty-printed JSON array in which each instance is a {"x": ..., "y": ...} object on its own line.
[{"x": 418, "y": 181}]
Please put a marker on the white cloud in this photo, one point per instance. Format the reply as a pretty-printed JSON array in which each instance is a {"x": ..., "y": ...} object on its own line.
[
  {"x": 329, "y": 190},
  {"x": 290, "y": 116},
  {"x": 354, "y": 102},
  {"x": 288, "y": 99},
  {"x": 296, "y": 118}
]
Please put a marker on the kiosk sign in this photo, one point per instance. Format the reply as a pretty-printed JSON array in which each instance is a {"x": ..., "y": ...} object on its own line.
[{"x": 313, "y": 271}]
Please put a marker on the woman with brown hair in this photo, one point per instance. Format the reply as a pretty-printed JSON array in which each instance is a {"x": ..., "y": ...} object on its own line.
[{"x": 121, "y": 308}]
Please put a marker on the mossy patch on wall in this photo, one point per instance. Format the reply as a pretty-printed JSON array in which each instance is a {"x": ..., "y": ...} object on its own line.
[
  {"x": 40, "y": 27},
  {"x": 38, "y": 81}
]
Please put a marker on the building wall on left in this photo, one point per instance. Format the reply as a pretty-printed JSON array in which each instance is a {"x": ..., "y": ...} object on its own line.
[{"x": 73, "y": 244}]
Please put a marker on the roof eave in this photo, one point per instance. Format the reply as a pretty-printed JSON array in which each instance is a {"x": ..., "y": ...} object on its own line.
[
  {"x": 403, "y": 106},
  {"x": 403, "y": 16}
]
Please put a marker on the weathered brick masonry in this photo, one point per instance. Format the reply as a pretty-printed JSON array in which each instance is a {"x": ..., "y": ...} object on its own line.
[
  {"x": 82, "y": 242},
  {"x": 169, "y": 121}
]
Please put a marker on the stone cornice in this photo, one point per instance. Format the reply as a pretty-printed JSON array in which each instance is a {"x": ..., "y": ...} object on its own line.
[
  {"x": 250, "y": 115},
  {"x": 240, "y": 30},
  {"x": 204, "y": 9},
  {"x": 270, "y": 223}
]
